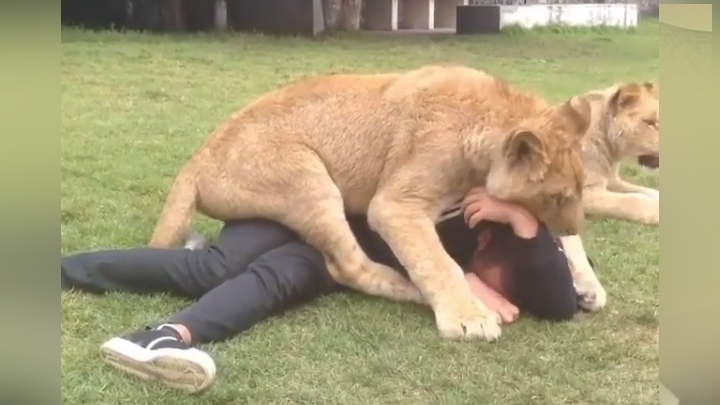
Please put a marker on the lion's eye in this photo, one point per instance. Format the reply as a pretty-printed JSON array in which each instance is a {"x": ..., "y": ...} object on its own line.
[{"x": 654, "y": 124}]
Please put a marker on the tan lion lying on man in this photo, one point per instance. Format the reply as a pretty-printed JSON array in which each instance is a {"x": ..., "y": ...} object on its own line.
[
  {"x": 625, "y": 125},
  {"x": 401, "y": 148}
]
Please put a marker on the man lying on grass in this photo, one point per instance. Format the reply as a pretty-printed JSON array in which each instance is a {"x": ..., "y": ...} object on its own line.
[{"x": 258, "y": 268}]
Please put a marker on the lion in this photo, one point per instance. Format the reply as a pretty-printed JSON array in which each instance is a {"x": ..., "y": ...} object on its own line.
[
  {"x": 625, "y": 125},
  {"x": 400, "y": 148}
]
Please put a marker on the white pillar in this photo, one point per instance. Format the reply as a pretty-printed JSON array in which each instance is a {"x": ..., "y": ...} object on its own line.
[
  {"x": 221, "y": 21},
  {"x": 431, "y": 14},
  {"x": 394, "y": 10}
]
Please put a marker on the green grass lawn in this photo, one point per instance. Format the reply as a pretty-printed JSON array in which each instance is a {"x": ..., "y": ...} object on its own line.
[{"x": 133, "y": 109}]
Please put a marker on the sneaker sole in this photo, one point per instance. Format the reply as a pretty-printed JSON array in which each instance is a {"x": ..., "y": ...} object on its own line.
[{"x": 188, "y": 370}]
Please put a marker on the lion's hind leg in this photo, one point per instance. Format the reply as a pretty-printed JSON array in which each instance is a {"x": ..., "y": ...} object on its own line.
[
  {"x": 376, "y": 282},
  {"x": 309, "y": 202}
]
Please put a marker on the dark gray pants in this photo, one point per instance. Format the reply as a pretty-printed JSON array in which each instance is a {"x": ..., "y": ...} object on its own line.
[{"x": 256, "y": 269}]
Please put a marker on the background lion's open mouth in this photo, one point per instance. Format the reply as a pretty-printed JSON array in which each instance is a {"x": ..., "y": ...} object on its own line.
[{"x": 649, "y": 161}]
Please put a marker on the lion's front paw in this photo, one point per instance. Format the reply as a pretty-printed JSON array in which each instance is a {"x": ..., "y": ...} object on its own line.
[
  {"x": 469, "y": 322},
  {"x": 591, "y": 295},
  {"x": 650, "y": 209},
  {"x": 653, "y": 215},
  {"x": 654, "y": 194}
]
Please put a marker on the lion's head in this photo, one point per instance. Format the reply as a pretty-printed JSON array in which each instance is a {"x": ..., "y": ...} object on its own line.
[
  {"x": 540, "y": 166},
  {"x": 635, "y": 111}
]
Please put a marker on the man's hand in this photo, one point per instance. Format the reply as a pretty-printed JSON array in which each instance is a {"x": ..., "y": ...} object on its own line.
[{"x": 480, "y": 206}]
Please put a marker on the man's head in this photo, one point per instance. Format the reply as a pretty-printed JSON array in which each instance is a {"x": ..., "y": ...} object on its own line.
[{"x": 539, "y": 166}]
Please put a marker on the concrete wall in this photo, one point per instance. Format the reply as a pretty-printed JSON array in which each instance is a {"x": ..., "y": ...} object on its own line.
[
  {"x": 445, "y": 12},
  {"x": 538, "y": 15},
  {"x": 416, "y": 14},
  {"x": 441, "y": 14},
  {"x": 412, "y": 14},
  {"x": 380, "y": 15},
  {"x": 647, "y": 8},
  {"x": 276, "y": 17}
]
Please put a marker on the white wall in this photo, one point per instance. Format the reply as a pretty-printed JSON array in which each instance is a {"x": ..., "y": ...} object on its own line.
[{"x": 529, "y": 16}]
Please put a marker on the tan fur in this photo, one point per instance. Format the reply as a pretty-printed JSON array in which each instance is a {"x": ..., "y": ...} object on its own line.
[
  {"x": 400, "y": 148},
  {"x": 625, "y": 125}
]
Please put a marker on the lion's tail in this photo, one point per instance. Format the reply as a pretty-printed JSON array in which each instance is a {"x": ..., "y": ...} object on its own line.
[{"x": 178, "y": 212}]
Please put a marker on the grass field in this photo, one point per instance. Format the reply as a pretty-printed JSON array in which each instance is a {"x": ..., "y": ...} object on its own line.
[{"x": 133, "y": 109}]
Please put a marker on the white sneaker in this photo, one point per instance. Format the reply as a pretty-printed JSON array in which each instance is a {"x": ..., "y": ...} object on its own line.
[{"x": 159, "y": 354}]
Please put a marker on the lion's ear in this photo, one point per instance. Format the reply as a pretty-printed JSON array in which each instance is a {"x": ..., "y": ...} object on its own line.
[
  {"x": 524, "y": 151},
  {"x": 577, "y": 112},
  {"x": 653, "y": 88},
  {"x": 626, "y": 96}
]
